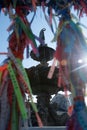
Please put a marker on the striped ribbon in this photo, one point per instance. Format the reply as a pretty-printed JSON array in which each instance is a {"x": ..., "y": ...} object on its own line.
[
  {"x": 21, "y": 71},
  {"x": 26, "y": 81},
  {"x": 17, "y": 92}
]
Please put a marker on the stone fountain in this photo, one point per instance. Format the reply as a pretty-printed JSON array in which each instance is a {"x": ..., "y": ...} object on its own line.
[{"x": 41, "y": 86}]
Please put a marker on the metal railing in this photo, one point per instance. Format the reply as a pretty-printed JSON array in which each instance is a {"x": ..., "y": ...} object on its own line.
[{"x": 45, "y": 128}]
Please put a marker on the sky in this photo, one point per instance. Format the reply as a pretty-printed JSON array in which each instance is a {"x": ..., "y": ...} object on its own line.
[
  {"x": 4, "y": 23},
  {"x": 38, "y": 23}
]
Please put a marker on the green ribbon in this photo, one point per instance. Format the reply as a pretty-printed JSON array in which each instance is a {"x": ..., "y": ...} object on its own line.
[
  {"x": 23, "y": 73},
  {"x": 26, "y": 29},
  {"x": 17, "y": 92},
  {"x": 14, "y": 119},
  {"x": 33, "y": 106}
]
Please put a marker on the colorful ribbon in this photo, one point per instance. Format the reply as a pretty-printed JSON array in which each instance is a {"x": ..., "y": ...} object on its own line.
[{"x": 17, "y": 92}]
